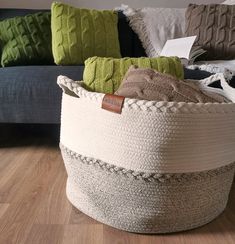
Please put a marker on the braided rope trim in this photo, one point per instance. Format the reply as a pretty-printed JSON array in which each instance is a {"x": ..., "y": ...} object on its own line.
[
  {"x": 69, "y": 85},
  {"x": 150, "y": 177}
]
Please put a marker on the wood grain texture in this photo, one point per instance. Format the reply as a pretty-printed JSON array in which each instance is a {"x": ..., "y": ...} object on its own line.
[
  {"x": 34, "y": 208},
  {"x": 3, "y": 208}
]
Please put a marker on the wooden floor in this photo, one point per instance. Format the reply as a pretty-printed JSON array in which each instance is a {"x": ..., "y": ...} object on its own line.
[{"x": 34, "y": 208}]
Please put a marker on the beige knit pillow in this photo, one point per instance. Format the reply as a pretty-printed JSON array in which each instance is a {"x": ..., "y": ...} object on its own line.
[{"x": 148, "y": 84}]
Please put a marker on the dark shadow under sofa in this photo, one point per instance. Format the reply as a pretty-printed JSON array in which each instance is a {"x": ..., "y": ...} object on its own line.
[{"x": 30, "y": 94}]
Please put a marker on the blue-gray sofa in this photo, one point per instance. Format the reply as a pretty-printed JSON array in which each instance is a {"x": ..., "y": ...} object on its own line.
[{"x": 29, "y": 94}]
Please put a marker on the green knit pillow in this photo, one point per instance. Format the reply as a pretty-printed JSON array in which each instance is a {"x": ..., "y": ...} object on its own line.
[
  {"x": 105, "y": 74},
  {"x": 78, "y": 34},
  {"x": 26, "y": 40}
]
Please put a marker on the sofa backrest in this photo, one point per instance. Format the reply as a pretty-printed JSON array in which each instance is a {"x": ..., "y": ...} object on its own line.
[{"x": 6, "y": 13}]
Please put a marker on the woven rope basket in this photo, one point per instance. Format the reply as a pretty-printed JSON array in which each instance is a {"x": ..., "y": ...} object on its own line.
[{"x": 157, "y": 167}]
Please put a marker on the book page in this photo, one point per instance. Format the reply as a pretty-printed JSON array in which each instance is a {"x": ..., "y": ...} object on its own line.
[{"x": 180, "y": 47}]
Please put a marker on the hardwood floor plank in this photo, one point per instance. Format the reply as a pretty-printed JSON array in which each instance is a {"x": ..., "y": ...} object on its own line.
[
  {"x": 3, "y": 208},
  {"x": 45, "y": 234},
  {"x": 77, "y": 217},
  {"x": 22, "y": 212},
  {"x": 10, "y": 161},
  {"x": 34, "y": 208},
  {"x": 17, "y": 172},
  {"x": 83, "y": 234},
  {"x": 54, "y": 207},
  {"x": 115, "y": 236}
]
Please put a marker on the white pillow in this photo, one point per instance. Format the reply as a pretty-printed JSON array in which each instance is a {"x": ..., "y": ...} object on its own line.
[
  {"x": 229, "y": 2},
  {"x": 155, "y": 26}
]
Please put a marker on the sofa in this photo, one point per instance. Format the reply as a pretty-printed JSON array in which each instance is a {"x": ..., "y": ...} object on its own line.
[{"x": 30, "y": 94}]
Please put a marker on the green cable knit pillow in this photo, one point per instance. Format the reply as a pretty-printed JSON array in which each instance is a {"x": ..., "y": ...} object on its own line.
[
  {"x": 105, "y": 74},
  {"x": 26, "y": 40},
  {"x": 78, "y": 34}
]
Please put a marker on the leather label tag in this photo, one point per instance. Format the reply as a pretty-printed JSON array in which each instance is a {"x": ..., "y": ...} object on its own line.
[{"x": 113, "y": 103}]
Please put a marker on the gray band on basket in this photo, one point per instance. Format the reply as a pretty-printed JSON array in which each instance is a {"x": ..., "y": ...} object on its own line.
[{"x": 176, "y": 203}]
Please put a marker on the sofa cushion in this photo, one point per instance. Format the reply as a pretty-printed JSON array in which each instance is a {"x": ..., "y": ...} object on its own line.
[
  {"x": 78, "y": 34},
  {"x": 24, "y": 40},
  {"x": 213, "y": 25},
  {"x": 105, "y": 74},
  {"x": 30, "y": 94}
]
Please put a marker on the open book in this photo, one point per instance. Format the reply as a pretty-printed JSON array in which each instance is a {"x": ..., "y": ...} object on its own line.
[{"x": 183, "y": 48}]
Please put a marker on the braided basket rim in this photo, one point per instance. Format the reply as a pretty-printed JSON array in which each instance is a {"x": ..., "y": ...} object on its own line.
[{"x": 75, "y": 87}]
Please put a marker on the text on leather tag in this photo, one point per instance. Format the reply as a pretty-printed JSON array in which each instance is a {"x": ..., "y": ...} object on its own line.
[{"x": 113, "y": 103}]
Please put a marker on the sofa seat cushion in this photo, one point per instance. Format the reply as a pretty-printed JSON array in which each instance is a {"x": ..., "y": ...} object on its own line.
[{"x": 29, "y": 94}]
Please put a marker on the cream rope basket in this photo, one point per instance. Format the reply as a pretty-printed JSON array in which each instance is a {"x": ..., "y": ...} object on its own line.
[{"x": 157, "y": 167}]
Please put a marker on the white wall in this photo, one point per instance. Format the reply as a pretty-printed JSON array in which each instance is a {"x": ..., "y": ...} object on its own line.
[{"x": 101, "y": 4}]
